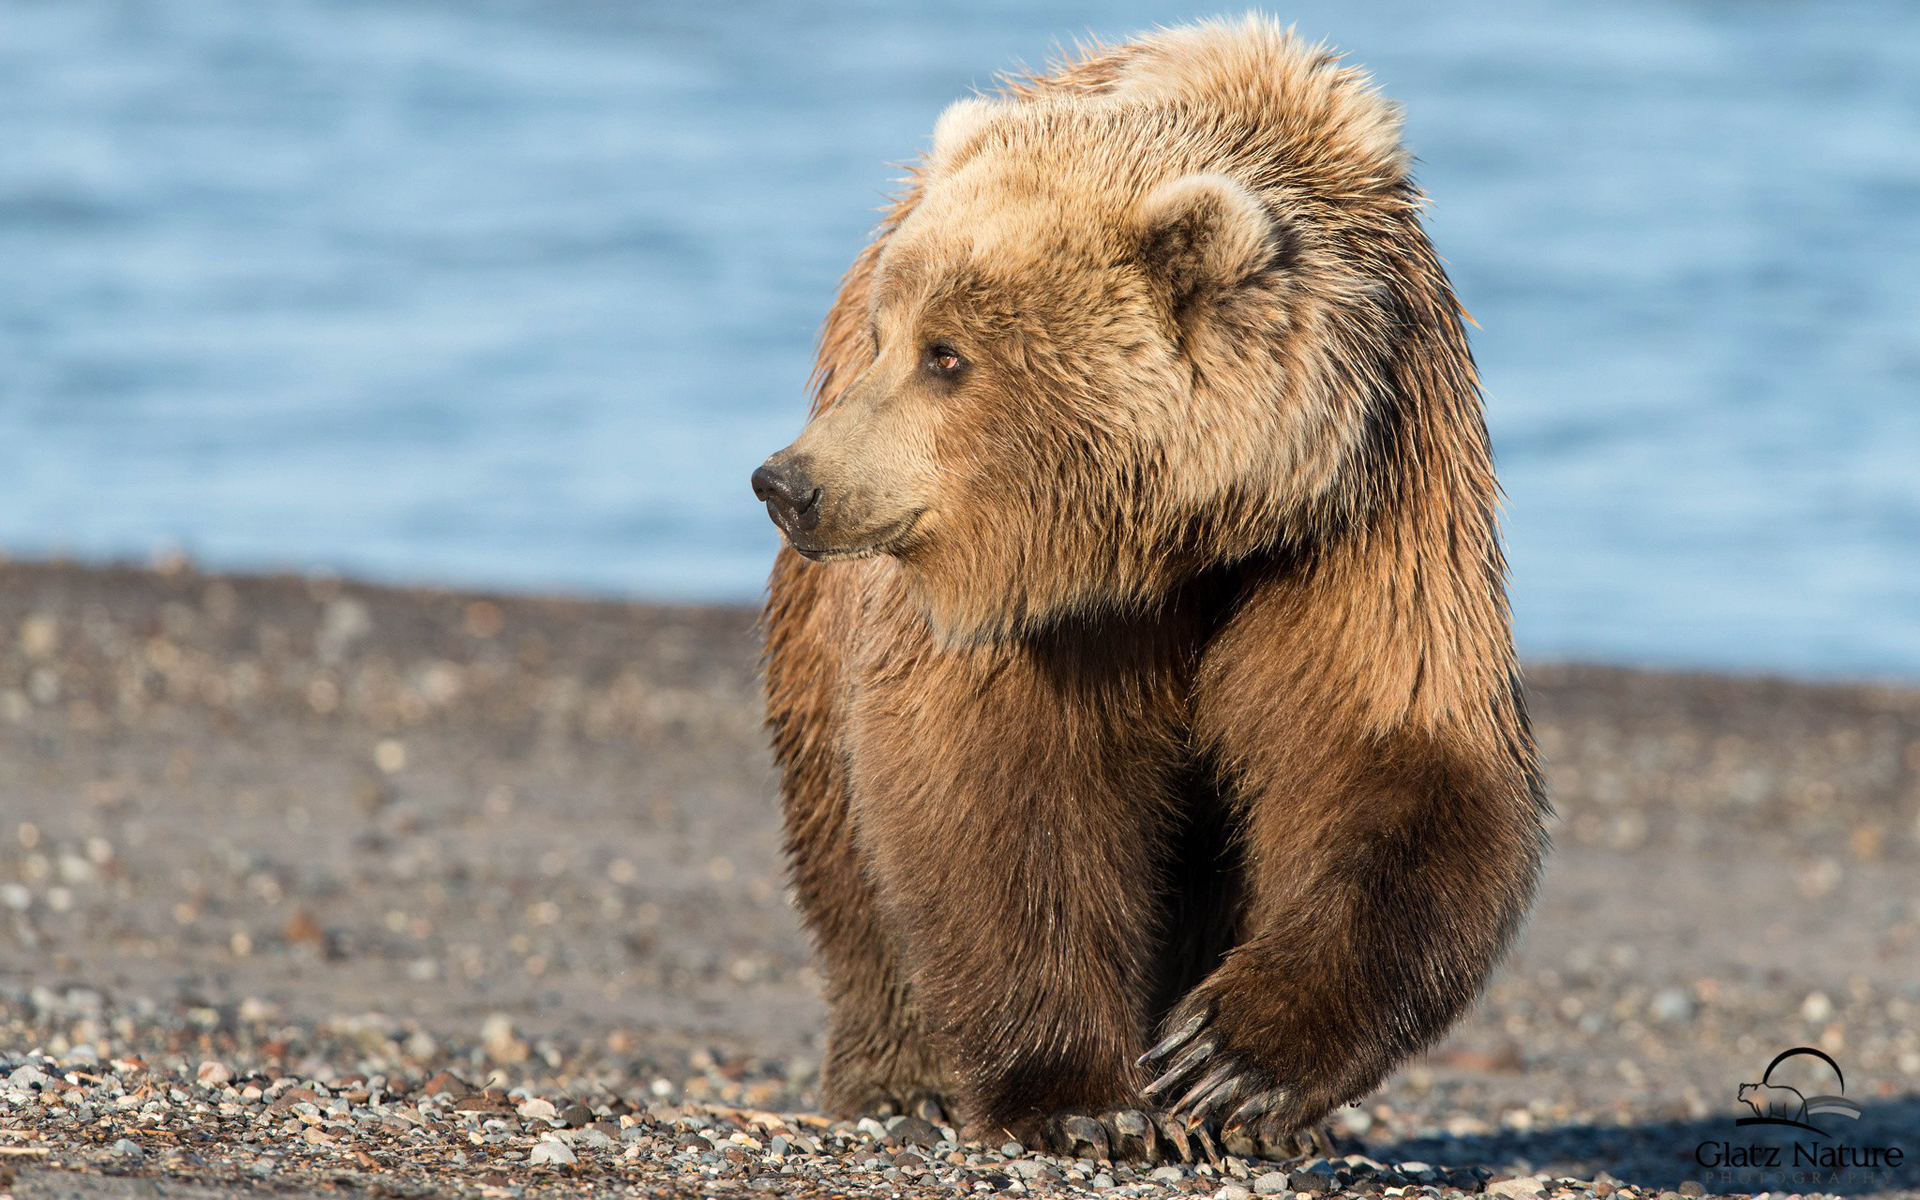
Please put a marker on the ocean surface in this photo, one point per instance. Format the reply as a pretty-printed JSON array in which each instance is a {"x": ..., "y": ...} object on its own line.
[{"x": 516, "y": 294}]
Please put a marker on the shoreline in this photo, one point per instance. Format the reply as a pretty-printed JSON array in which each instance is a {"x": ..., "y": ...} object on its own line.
[{"x": 325, "y": 829}]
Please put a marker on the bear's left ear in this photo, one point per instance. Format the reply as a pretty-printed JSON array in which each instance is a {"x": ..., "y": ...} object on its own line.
[{"x": 1205, "y": 233}]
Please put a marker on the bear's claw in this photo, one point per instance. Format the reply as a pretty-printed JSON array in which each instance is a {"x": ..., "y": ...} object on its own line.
[
  {"x": 1223, "y": 1090},
  {"x": 1129, "y": 1133},
  {"x": 930, "y": 1107}
]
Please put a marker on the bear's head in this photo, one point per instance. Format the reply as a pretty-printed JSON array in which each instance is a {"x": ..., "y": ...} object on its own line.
[{"x": 1116, "y": 336}]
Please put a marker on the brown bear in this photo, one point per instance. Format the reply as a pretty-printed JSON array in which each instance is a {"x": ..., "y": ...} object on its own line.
[{"x": 1155, "y": 764}]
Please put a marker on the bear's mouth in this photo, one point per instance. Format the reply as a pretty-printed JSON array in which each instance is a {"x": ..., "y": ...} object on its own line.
[{"x": 885, "y": 541}]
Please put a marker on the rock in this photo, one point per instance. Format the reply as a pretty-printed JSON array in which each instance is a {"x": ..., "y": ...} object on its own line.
[
  {"x": 1167, "y": 1174},
  {"x": 1314, "y": 1183},
  {"x": 214, "y": 1074},
  {"x": 1692, "y": 1188},
  {"x": 1101, "y": 1182},
  {"x": 912, "y": 1131},
  {"x": 1526, "y": 1187},
  {"x": 557, "y": 1153},
  {"x": 1233, "y": 1191},
  {"x": 1670, "y": 1005},
  {"x": 1012, "y": 1150},
  {"x": 302, "y": 929},
  {"x": 1033, "y": 1169},
  {"x": 126, "y": 1149},
  {"x": 501, "y": 1043},
  {"x": 1273, "y": 1183},
  {"x": 449, "y": 1083}
]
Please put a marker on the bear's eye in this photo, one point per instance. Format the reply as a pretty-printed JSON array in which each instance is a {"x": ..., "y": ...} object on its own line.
[{"x": 944, "y": 360}]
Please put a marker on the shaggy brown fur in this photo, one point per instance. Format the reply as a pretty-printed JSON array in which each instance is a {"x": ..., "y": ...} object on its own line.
[{"x": 1161, "y": 678}]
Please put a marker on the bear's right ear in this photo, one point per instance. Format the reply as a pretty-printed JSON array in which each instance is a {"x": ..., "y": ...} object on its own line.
[
  {"x": 960, "y": 126},
  {"x": 1204, "y": 233}
]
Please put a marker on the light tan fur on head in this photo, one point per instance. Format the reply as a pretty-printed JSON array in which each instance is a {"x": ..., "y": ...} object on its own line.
[{"x": 1175, "y": 291}]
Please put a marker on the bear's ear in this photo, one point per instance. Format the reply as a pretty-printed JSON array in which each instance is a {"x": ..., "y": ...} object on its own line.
[
  {"x": 961, "y": 125},
  {"x": 1205, "y": 233}
]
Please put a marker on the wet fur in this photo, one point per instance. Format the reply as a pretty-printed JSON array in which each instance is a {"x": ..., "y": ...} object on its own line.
[{"x": 1219, "y": 735}]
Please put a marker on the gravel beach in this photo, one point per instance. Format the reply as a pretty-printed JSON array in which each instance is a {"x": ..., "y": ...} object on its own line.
[{"x": 309, "y": 887}]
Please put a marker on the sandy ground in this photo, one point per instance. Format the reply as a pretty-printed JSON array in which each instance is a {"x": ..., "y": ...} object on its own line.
[{"x": 294, "y": 824}]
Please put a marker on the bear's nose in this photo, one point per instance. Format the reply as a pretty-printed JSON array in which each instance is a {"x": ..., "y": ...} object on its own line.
[{"x": 791, "y": 496}]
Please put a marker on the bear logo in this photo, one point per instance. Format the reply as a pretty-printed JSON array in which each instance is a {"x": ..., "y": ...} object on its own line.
[
  {"x": 1774, "y": 1100},
  {"x": 1778, "y": 1104},
  {"x": 1154, "y": 762}
]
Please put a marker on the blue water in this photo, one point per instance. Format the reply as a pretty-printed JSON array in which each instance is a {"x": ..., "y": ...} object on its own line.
[{"x": 518, "y": 293}]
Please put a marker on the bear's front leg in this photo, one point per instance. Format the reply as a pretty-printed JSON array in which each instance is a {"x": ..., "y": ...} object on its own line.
[
  {"x": 879, "y": 1058},
  {"x": 1009, "y": 801},
  {"x": 1388, "y": 863}
]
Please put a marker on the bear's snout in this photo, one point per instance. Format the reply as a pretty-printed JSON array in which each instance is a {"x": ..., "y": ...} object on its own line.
[{"x": 790, "y": 494}]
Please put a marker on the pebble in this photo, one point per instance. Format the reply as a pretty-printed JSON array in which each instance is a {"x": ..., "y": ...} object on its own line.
[
  {"x": 1273, "y": 1183},
  {"x": 557, "y": 1153},
  {"x": 912, "y": 1131},
  {"x": 1670, "y": 1005},
  {"x": 28, "y": 1077},
  {"x": 1525, "y": 1187},
  {"x": 1233, "y": 1191}
]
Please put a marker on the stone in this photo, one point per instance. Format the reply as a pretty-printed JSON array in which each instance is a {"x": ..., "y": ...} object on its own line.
[
  {"x": 555, "y": 1153},
  {"x": 449, "y": 1083},
  {"x": 913, "y": 1131},
  {"x": 1671, "y": 1005},
  {"x": 1273, "y": 1183}
]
